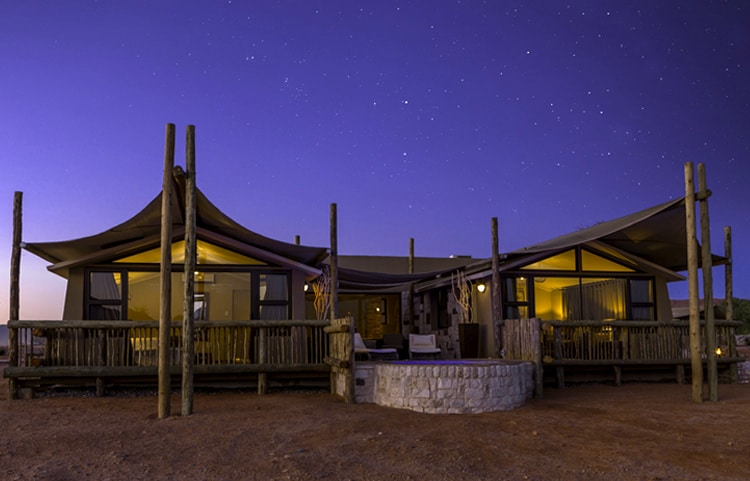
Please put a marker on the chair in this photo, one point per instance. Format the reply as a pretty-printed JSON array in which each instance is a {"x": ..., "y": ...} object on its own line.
[
  {"x": 364, "y": 353},
  {"x": 423, "y": 346}
]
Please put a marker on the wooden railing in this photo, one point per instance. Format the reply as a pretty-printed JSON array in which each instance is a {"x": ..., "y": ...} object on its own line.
[
  {"x": 119, "y": 348},
  {"x": 561, "y": 344},
  {"x": 627, "y": 342}
]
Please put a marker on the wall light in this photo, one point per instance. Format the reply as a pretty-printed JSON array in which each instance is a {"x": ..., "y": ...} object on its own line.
[{"x": 481, "y": 287}]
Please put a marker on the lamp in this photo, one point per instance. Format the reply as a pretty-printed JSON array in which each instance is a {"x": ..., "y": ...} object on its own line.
[{"x": 481, "y": 287}]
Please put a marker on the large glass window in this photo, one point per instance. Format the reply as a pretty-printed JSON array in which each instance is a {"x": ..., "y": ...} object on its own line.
[
  {"x": 218, "y": 295},
  {"x": 583, "y": 294},
  {"x": 221, "y": 295}
]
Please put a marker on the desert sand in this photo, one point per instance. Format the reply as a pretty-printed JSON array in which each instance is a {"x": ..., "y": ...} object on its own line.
[{"x": 593, "y": 431}]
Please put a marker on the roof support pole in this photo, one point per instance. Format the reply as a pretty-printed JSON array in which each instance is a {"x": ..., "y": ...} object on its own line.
[
  {"x": 188, "y": 305},
  {"x": 15, "y": 289},
  {"x": 497, "y": 314},
  {"x": 334, "y": 293},
  {"x": 692, "y": 261},
  {"x": 409, "y": 314},
  {"x": 165, "y": 292},
  {"x": 728, "y": 288},
  {"x": 708, "y": 286}
]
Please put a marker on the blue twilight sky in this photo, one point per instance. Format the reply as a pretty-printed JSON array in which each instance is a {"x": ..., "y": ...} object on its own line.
[{"x": 420, "y": 119}]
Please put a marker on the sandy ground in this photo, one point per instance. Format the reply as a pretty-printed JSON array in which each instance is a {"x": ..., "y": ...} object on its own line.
[{"x": 601, "y": 432}]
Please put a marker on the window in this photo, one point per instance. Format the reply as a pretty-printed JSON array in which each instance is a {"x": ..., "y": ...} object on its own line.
[
  {"x": 105, "y": 295},
  {"x": 515, "y": 298},
  {"x": 579, "y": 284},
  {"x": 642, "y": 300},
  {"x": 133, "y": 293}
]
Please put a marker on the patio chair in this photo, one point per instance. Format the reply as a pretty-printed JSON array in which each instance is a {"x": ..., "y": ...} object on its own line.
[
  {"x": 423, "y": 346},
  {"x": 364, "y": 353}
]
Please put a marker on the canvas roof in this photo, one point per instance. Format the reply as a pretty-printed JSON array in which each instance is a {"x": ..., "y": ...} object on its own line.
[
  {"x": 143, "y": 231},
  {"x": 390, "y": 274},
  {"x": 657, "y": 234}
]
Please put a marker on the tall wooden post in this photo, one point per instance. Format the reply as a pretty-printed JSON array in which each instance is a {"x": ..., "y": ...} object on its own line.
[
  {"x": 188, "y": 306},
  {"x": 334, "y": 293},
  {"x": 165, "y": 292},
  {"x": 497, "y": 314},
  {"x": 692, "y": 261},
  {"x": 409, "y": 314},
  {"x": 708, "y": 286},
  {"x": 15, "y": 289},
  {"x": 728, "y": 288}
]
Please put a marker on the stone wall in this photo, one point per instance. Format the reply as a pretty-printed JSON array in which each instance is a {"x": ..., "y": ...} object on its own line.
[{"x": 445, "y": 388}]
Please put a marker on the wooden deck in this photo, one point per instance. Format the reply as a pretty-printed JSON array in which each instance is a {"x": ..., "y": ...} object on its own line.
[
  {"x": 77, "y": 352},
  {"x": 641, "y": 348}
]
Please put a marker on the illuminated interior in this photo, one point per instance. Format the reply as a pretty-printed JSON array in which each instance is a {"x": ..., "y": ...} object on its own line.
[
  {"x": 206, "y": 254},
  {"x": 577, "y": 296}
]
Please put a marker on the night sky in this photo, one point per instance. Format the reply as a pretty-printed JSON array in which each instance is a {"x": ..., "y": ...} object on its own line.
[{"x": 419, "y": 119}]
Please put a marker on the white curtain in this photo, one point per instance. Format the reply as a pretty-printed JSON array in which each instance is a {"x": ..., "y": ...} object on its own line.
[{"x": 595, "y": 301}]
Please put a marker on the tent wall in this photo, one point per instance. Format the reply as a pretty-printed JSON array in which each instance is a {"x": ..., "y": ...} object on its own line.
[{"x": 74, "y": 296}]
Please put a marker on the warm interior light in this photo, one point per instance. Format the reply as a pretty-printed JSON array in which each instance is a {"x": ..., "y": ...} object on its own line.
[
  {"x": 718, "y": 351},
  {"x": 481, "y": 287}
]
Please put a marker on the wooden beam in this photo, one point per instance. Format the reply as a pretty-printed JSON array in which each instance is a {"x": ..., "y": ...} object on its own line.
[
  {"x": 497, "y": 313},
  {"x": 708, "y": 287},
  {"x": 728, "y": 287},
  {"x": 15, "y": 289},
  {"x": 692, "y": 262},
  {"x": 165, "y": 291},
  {"x": 188, "y": 306},
  {"x": 409, "y": 314}
]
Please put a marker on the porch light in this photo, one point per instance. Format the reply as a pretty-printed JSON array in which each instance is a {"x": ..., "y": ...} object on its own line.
[
  {"x": 307, "y": 286},
  {"x": 718, "y": 352},
  {"x": 481, "y": 287}
]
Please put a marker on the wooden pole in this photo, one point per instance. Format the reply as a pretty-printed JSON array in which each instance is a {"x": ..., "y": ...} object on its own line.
[
  {"x": 165, "y": 292},
  {"x": 497, "y": 314},
  {"x": 188, "y": 306},
  {"x": 15, "y": 290},
  {"x": 728, "y": 288},
  {"x": 349, "y": 377},
  {"x": 708, "y": 286},
  {"x": 692, "y": 261},
  {"x": 409, "y": 315}
]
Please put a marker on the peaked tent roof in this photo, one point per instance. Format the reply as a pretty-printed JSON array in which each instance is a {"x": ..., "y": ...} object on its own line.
[
  {"x": 657, "y": 234},
  {"x": 144, "y": 230}
]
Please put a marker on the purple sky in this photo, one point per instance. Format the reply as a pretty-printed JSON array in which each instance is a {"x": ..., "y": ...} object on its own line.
[{"x": 420, "y": 119}]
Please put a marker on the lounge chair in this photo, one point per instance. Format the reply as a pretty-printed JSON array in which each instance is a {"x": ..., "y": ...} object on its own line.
[
  {"x": 364, "y": 353},
  {"x": 423, "y": 346}
]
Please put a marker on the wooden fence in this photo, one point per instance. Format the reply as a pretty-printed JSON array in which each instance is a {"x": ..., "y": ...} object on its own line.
[
  {"x": 619, "y": 344},
  {"x": 108, "y": 349}
]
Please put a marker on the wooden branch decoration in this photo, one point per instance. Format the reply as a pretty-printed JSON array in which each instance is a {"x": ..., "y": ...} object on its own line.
[
  {"x": 461, "y": 290},
  {"x": 322, "y": 289}
]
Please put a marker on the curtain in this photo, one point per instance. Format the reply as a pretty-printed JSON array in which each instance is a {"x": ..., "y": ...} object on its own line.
[
  {"x": 596, "y": 301},
  {"x": 274, "y": 288}
]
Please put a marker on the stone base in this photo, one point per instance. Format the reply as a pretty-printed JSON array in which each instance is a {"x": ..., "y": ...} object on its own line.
[{"x": 446, "y": 387}]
